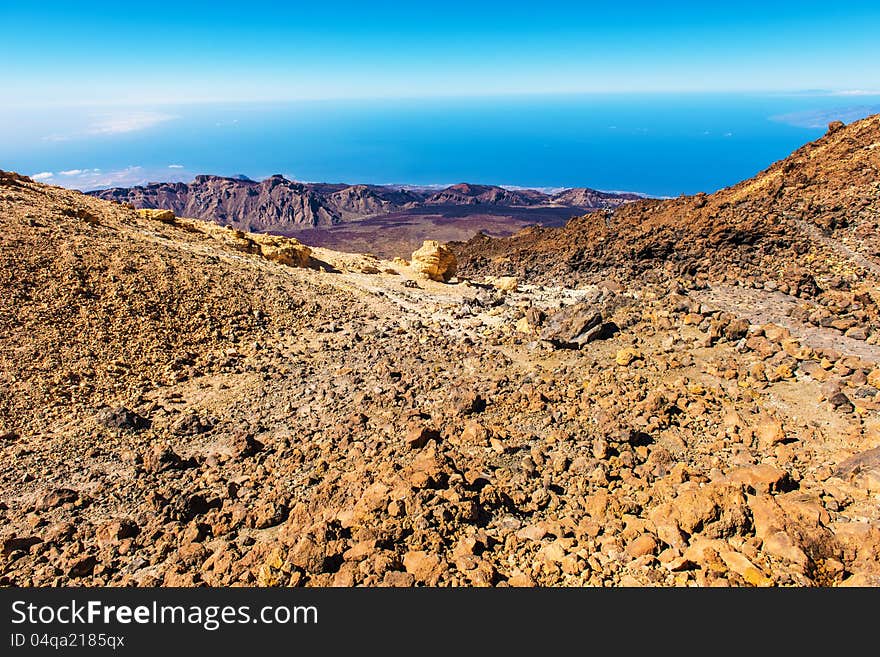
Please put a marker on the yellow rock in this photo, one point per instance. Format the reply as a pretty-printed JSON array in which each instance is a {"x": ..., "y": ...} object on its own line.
[
  {"x": 740, "y": 565},
  {"x": 434, "y": 261},
  {"x": 166, "y": 216},
  {"x": 874, "y": 378},
  {"x": 267, "y": 577},
  {"x": 627, "y": 355},
  {"x": 523, "y": 325},
  {"x": 505, "y": 283},
  {"x": 276, "y": 559},
  {"x": 784, "y": 371},
  {"x": 794, "y": 349},
  {"x": 270, "y": 572},
  {"x": 283, "y": 250}
]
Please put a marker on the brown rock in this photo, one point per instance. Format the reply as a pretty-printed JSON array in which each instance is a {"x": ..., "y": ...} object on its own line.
[
  {"x": 856, "y": 333},
  {"x": 474, "y": 433},
  {"x": 776, "y": 333},
  {"x": 283, "y": 250},
  {"x": 418, "y": 436},
  {"x": 642, "y": 545},
  {"x": 575, "y": 326},
  {"x": 309, "y": 555},
  {"x": 111, "y": 533},
  {"x": 82, "y": 566},
  {"x": 360, "y": 550},
  {"x": 780, "y": 545},
  {"x": 761, "y": 478},
  {"x": 534, "y": 532},
  {"x": 716, "y": 510},
  {"x": 399, "y": 579},
  {"x": 761, "y": 345},
  {"x": 788, "y": 524},
  {"x": 736, "y": 329},
  {"x": 14, "y": 543},
  {"x": 423, "y": 566},
  {"x": 8, "y": 436},
  {"x": 861, "y": 462},
  {"x": 161, "y": 458},
  {"x": 769, "y": 432},
  {"x": 244, "y": 445},
  {"x": 57, "y": 497}
]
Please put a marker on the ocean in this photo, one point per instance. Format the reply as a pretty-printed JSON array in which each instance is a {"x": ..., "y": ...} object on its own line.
[{"x": 661, "y": 145}]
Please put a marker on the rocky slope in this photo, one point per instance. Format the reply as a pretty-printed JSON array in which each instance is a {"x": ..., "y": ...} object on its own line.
[
  {"x": 280, "y": 205},
  {"x": 178, "y": 408},
  {"x": 816, "y": 210}
]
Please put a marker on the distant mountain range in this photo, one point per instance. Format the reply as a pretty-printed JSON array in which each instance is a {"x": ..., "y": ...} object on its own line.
[{"x": 277, "y": 204}]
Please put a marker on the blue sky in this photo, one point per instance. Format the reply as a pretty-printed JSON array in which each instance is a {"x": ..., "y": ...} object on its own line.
[
  {"x": 104, "y": 93},
  {"x": 120, "y": 52}
]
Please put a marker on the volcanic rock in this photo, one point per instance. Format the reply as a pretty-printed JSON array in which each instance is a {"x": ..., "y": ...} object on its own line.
[{"x": 433, "y": 261}]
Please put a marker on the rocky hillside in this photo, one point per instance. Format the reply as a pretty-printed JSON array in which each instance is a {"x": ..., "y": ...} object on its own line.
[
  {"x": 182, "y": 404},
  {"x": 816, "y": 212},
  {"x": 583, "y": 197},
  {"x": 466, "y": 194},
  {"x": 280, "y": 205}
]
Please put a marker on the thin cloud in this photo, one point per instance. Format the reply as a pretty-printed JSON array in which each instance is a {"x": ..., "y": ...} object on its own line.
[
  {"x": 855, "y": 92},
  {"x": 43, "y": 175},
  {"x": 830, "y": 93},
  {"x": 114, "y": 124},
  {"x": 175, "y": 166},
  {"x": 89, "y": 179}
]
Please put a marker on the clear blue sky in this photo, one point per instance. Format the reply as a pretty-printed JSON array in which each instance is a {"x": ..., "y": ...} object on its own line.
[{"x": 158, "y": 51}]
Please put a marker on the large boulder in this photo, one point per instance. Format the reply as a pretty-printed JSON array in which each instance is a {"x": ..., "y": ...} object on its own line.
[
  {"x": 574, "y": 326},
  {"x": 434, "y": 261},
  {"x": 835, "y": 126}
]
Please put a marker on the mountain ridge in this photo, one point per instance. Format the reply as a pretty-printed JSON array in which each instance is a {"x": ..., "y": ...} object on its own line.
[{"x": 278, "y": 204}]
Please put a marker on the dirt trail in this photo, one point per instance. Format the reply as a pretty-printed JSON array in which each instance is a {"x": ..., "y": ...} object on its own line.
[
  {"x": 840, "y": 248},
  {"x": 763, "y": 307}
]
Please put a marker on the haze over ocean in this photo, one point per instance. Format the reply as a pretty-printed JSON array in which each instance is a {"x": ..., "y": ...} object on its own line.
[{"x": 651, "y": 143}]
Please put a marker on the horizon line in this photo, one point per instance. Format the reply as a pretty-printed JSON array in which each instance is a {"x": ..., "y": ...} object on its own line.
[{"x": 820, "y": 93}]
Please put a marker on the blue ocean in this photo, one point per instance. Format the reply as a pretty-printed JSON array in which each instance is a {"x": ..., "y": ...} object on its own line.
[{"x": 661, "y": 145}]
